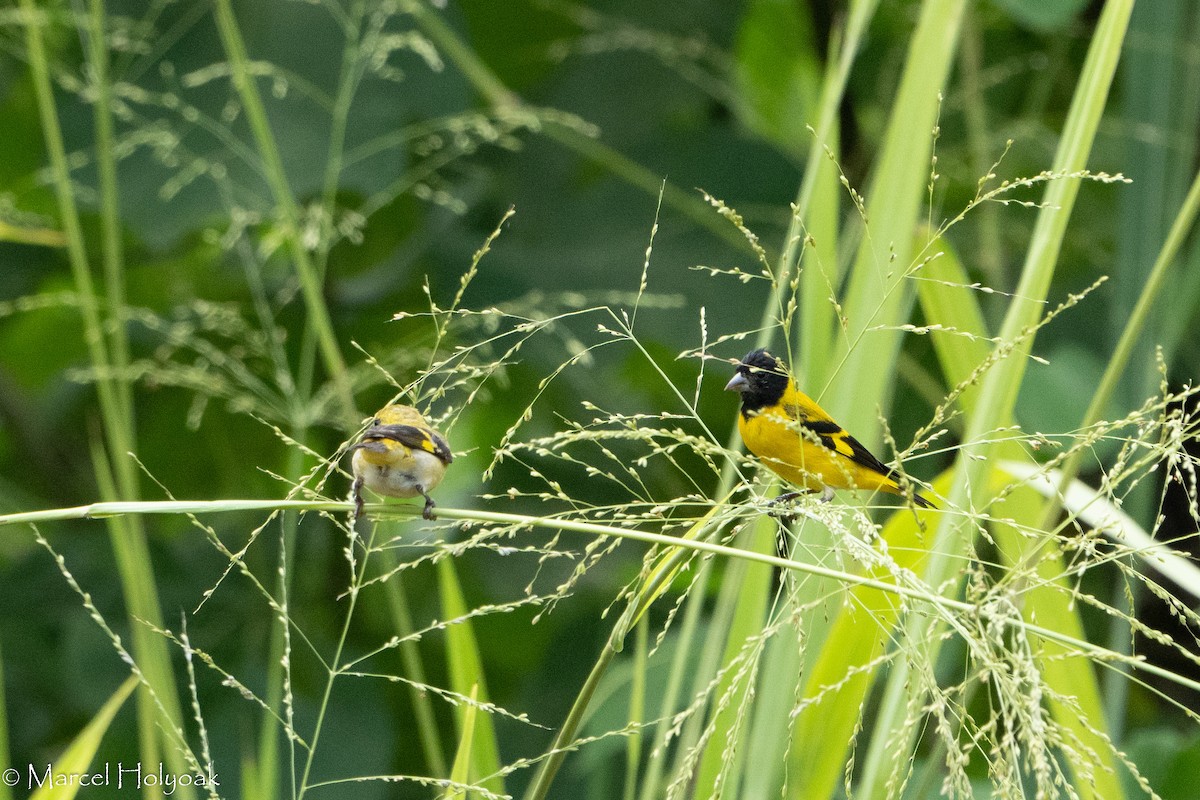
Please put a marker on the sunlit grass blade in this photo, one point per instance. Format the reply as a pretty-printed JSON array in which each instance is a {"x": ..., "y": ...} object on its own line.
[
  {"x": 731, "y": 705},
  {"x": 879, "y": 291},
  {"x": 467, "y": 675},
  {"x": 460, "y": 772},
  {"x": 410, "y": 656},
  {"x": 662, "y": 568},
  {"x": 999, "y": 389},
  {"x": 637, "y": 709},
  {"x": 76, "y": 760},
  {"x": 829, "y": 711},
  {"x": 947, "y": 298},
  {"x": 662, "y": 573}
]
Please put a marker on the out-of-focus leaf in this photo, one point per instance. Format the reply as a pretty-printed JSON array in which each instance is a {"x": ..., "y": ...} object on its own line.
[
  {"x": 1043, "y": 15},
  {"x": 779, "y": 71}
]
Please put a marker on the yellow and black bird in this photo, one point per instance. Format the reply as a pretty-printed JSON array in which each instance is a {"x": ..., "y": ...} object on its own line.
[
  {"x": 797, "y": 440},
  {"x": 400, "y": 455}
]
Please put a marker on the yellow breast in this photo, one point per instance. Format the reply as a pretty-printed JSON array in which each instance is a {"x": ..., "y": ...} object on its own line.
[{"x": 784, "y": 448}]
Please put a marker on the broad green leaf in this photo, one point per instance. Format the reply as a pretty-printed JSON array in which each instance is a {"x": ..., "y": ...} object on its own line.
[{"x": 880, "y": 292}]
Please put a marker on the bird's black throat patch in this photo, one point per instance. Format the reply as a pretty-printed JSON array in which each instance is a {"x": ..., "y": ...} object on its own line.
[{"x": 767, "y": 379}]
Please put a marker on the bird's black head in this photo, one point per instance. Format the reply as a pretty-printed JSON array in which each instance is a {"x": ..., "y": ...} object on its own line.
[{"x": 761, "y": 380}]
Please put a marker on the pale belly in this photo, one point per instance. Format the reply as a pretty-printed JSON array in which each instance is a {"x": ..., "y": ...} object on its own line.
[{"x": 416, "y": 474}]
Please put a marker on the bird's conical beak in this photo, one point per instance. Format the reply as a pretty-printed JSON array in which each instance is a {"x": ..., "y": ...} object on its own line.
[{"x": 737, "y": 384}]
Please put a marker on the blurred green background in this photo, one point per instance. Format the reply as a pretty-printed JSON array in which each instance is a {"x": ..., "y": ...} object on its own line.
[{"x": 616, "y": 99}]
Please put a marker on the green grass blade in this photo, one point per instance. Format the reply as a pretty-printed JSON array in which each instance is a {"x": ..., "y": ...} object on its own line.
[
  {"x": 778, "y": 72},
  {"x": 76, "y": 760},
  {"x": 1050, "y": 602},
  {"x": 460, "y": 772},
  {"x": 110, "y": 214},
  {"x": 837, "y": 683},
  {"x": 637, "y": 710},
  {"x": 306, "y": 271},
  {"x": 466, "y": 675},
  {"x": 5, "y": 761},
  {"x": 410, "y": 655},
  {"x": 128, "y": 538},
  {"x": 947, "y": 300},
  {"x": 731, "y": 703},
  {"x": 879, "y": 292},
  {"x": 821, "y": 274},
  {"x": 999, "y": 390}
]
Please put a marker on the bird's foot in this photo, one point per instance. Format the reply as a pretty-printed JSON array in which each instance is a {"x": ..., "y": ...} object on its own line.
[
  {"x": 786, "y": 515},
  {"x": 427, "y": 512}
]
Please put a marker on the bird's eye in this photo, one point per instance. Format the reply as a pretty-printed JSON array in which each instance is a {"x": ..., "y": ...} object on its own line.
[{"x": 377, "y": 421}]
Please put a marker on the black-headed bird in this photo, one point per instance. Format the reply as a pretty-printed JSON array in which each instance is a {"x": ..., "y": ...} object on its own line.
[
  {"x": 400, "y": 455},
  {"x": 797, "y": 440}
]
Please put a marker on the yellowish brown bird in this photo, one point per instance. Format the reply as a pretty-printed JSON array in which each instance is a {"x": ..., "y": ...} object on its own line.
[
  {"x": 400, "y": 455},
  {"x": 797, "y": 440}
]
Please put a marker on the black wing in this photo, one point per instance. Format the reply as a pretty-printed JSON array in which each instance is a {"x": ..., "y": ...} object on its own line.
[
  {"x": 835, "y": 437},
  {"x": 412, "y": 436}
]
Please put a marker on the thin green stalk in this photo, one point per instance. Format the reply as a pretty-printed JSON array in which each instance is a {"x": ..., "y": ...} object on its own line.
[
  {"x": 637, "y": 710},
  {"x": 285, "y": 201},
  {"x": 128, "y": 540},
  {"x": 945, "y": 606},
  {"x": 334, "y": 663},
  {"x": 501, "y": 98},
  {"x": 566, "y": 734},
  {"x": 688, "y": 204},
  {"x": 278, "y": 683},
  {"x": 712, "y": 651},
  {"x": 52, "y": 134},
  {"x": 686, "y": 631},
  {"x": 110, "y": 225},
  {"x": 351, "y": 73},
  {"x": 485, "y": 81},
  {"x": 718, "y": 769},
  {"x": 410, "y": 656}
]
